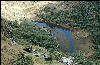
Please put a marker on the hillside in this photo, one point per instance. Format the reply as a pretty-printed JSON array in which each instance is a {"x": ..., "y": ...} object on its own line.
[
  {"x": 50, "y": 33},
  {"x": 15, "y": 10},
  {"x": 9, "y": 54}
]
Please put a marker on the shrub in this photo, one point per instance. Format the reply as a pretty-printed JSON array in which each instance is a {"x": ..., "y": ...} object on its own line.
[
  {"x": 24, "y": 60},
  {"x": 84, "y": 14},
  {"x": 28, "y": 49},
  {"x": 57, "y": 55},
  {"x": 27, "y": 33}
]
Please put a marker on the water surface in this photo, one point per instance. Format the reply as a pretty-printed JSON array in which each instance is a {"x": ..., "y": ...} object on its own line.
[{"x": 64, "y": 37}]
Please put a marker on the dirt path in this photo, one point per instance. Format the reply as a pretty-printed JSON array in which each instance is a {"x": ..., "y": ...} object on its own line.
[{"x": 15, "y": 10}]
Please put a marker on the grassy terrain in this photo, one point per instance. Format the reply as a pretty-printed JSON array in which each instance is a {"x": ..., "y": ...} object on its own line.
[
  {"x": 74, "y": 14},
  {"x": 24, "y": 35},
  {"x": 15, "y": 10},
  {"x": 9, "y": 54},
  {"x": 84, "y": 15},
  {"x": 13, "y": 51}
]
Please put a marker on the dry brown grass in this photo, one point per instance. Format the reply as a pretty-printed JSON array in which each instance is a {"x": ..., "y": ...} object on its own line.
[
  {"x": 83, "y": 35},
  {"x": 9, "y": 54},
  {"x": 16, "y": 10}
]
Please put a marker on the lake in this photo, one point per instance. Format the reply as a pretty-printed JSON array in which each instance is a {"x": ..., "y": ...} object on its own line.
[{"x": 64, "y": 37}]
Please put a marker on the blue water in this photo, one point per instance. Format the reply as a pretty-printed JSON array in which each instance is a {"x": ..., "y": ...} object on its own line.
[
  {"x": 53, "y": 33},
  {"x": 41, "y": 24},
  {"x": 68, "y": 37},
  {"x": 68, "y": 33}
]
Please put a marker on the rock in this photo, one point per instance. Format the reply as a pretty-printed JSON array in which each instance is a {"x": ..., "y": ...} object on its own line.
[
  {"x": 47, "y": 57},
  {"x": 27, "y": 54},
  {"x": 55, "y": 38},
  {"x": 67, "y": 61},
  {"x": 14, "y": 64},
  {"x": 13, "y": 43},
  {"x": 36, "y": 54},
  {"x": 33, "y": 50},
  {"x": 62, "y": 5}
]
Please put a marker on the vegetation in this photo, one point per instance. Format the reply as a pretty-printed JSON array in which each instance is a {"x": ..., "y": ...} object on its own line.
[
  {"x": 27, "y": 49},
  {"x": 57, "y": 55},
  {"x": 24, "y": 60},
  {"x": 8, "y": 52},
  {"x": 83, "y": 14},
  {"x": 26, "y": 33},
  {"x": 81, "y": 60}
]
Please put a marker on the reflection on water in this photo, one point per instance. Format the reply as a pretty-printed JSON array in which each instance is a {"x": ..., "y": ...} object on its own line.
[
  {"x": 64, "y": 37},
  {"x": 68, "y": 36}
]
